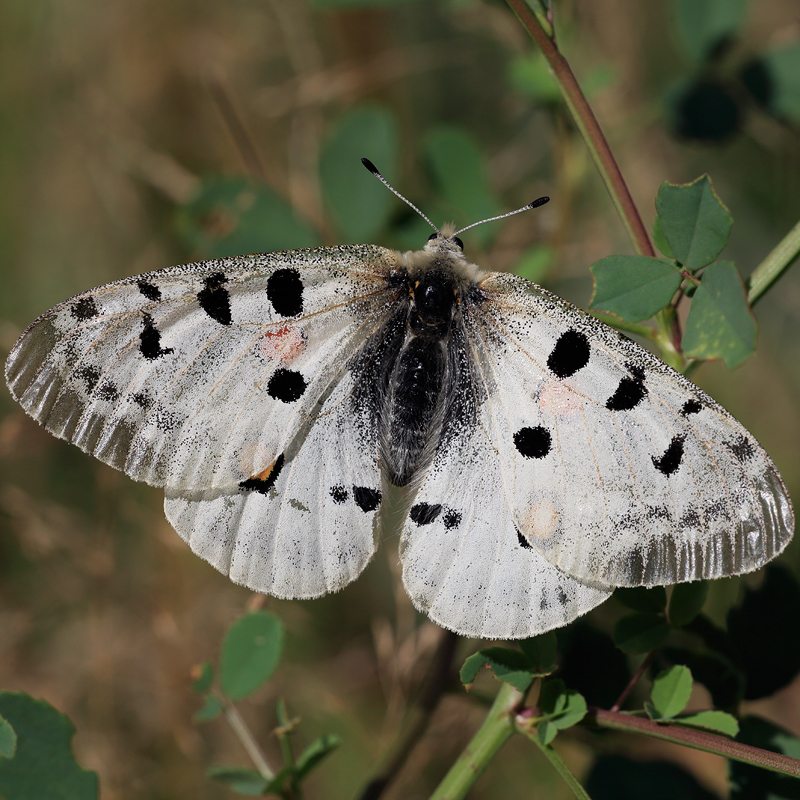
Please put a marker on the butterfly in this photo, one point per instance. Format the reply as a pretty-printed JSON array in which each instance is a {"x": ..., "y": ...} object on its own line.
[{"x": 541, "y": 458}]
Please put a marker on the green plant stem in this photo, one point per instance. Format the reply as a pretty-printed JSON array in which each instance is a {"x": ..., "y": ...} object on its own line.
[
  {"x": 589, "y": 127},
  {"x": 496, "y": 730},
  {"x": 555, "y": 759},
  {"x": 246, "y": 738},
  {"x": 698, "y": 739},
  {"x": 771, "y": 268}
]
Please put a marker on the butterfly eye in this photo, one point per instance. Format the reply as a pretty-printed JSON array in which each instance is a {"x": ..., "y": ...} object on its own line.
[
  {"x": 432, "y": 237},
  {"x": 458, "y": 242}
]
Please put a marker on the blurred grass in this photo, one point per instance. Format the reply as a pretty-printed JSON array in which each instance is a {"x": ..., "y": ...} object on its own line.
[{"x": 107, "y": 120}]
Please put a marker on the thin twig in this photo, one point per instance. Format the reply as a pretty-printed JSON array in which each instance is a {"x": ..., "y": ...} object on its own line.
[
  {"x": 239, "y": 133},
  {"x": 555, "y": 760},
  {"x": 439, "y": 679},
  {"x": 634, "y": 680},
  {"x": 246, "y": 738}
]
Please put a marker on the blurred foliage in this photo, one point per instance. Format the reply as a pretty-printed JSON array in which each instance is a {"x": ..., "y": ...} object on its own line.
[{"x": 123, "y": 151}]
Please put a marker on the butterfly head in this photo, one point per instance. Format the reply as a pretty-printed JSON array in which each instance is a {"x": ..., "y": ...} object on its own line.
[{"x": 445, "y": 241}]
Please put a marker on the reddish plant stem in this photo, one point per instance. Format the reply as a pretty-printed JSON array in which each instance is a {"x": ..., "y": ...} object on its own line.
[
  {"x": 698, "y": 739},
  {"x": 634, "y": 680},
  {"x": 587, "y": 122}
]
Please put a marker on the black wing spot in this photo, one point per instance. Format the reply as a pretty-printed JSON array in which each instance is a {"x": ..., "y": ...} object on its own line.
[
  {"x": 671, "y": 460},
  {"x": 451, "y": 519},
  {"x": 266, "y": 480},
  {"x": 637, "y": 370},
  {"x": 143, "y": 400},
  {"x": 84, "y": 309},
  {"x": 89, "y": 376},
  {"x": 286, "y": 385},
  {"x": 628, "y": 394},
  {"x": 366, "y": 499},
  {"x": 150, "y": 341},
  {"x": 425, "y": 513},
  {"x": 523, "y": 542},
  {"x": 570, "y": 354},
  {"x": 533, "y": 442},
  {"x": 108, "y": 391},
  {"x": 691, "y": 407},
  {"x": 339, "y": 494},
  {"x": 149, "y": 290},
  {"x": 742, "y": 448},
  {"x": 563, "y": 597},
  {"x": 215, "y": 299},
  {"x": 285, "y": 292}
]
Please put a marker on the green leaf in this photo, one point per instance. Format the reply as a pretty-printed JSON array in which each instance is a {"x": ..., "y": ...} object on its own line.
[
  {"x": 359, "y": 204},
  {"x": 633, "y": 287},
  {"x": 695, "y": 222},
  {"x": 705, "y": 23},
  {"x": 239, "y": 779},
  {"x": 783, "y": 66},
  {"x": 640, "y": 633},
  {"x": 250, "y": 653},
  {"x": 507, "y": 665},
  {"x": 211, "y": 710},
  {"x": 205, "y": 677},
  {"x": 458, "y": 167},
  {"x": 231, "y": 216},
  {"x": 541, "y": 651},
  {"x": 562, "y": 709},
  {"x": 640, "y": 598},
  {"x": 660, "y": 240},
  {"x": 44, "y": 765},
  {"x": 8, "y": 739},
  {"x": 535, "y": 263},
  {"x": 720, "y": 323},
  {"x": 686, "y": 602},
  {"x": 718, "y": 721},
  {"x": 314, "y": 754},
  {"x": 553, "y": 697},
  {"x": 546, "y": 732},
  {"x": 671, "y": 691}
]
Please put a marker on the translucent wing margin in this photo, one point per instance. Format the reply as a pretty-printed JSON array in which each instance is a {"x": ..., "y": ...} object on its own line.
[
  {"x": 198, "y": 376},
  {"x": 617, "y": 468}
]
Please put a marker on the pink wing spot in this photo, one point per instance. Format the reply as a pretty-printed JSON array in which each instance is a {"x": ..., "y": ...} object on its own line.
[
  {"x": 283, "y": 344},
  {"x": 540, "y": 520},
  {"x": 559, "y": 400}
]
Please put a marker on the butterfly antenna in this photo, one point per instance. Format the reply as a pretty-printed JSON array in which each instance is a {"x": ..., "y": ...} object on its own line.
[
  {"x": 535, "y": 204},
  {"x": 374, "y": 170}
]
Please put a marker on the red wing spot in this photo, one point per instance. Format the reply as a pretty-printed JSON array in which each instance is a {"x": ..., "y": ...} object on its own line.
[{"x": 284, "y": 343}]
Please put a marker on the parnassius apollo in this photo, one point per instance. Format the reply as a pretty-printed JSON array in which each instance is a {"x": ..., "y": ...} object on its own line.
[{"x": 277, "y": 397}]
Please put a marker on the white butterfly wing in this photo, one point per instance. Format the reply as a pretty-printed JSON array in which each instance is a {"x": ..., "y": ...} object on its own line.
[
  {"x": 199, "y": 376},
  {"x": 465, "y": 564},
  {"x": 617, "y": 468},
  {"x": 309, "y": 525}
]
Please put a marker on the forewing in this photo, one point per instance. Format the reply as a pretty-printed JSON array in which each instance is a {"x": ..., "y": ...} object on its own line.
[
  {"x": 198, "y": 376},
  {"x": 618, "y": 469},
  {"x": 464, "y": 562},
  {"x": 308, "y": 524}
]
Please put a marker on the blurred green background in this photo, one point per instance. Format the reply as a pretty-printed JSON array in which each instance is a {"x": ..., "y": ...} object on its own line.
[{"x": 134, "y": 136}]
